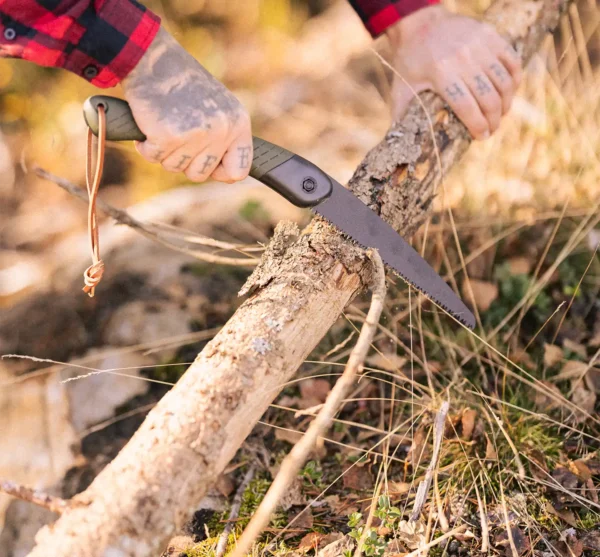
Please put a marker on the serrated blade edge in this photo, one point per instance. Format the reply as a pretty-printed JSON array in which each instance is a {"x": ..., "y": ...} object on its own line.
[{"x": 348, "y": 213}]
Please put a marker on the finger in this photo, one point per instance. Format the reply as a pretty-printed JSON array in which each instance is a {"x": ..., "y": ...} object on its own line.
[
  {"x": 221, "y": 175},
  {"x": 456, "y": 93},
  {"x": 202, "y": 166},
  {"x": 487, "y": 98},
  {"x": 507, "y": 55},
  {"x": 502, "y": 81},
  {"x": 179, "y": 160},
  {"x": 237, "y": 160},
  {"x": 154, "y": 152}
]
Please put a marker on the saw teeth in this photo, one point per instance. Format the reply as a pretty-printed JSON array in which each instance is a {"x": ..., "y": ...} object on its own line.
[{"x": 397, "y": 273}]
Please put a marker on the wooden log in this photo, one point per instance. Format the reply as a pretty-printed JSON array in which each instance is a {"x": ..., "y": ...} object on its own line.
[{"x": 297, "y": 293}]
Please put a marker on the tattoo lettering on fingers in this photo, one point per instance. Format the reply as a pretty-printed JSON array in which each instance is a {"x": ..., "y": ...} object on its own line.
[
  {"x": 455, "y": 91},
  {"x": 208, "y": 161},
  {"x": 158, "y": 156},
  {"x": 244, "y": 156},
  {"x": 182, "y": 161},
  {"x": 499, "y": 71},
  {"x": 482, "y": 86}
]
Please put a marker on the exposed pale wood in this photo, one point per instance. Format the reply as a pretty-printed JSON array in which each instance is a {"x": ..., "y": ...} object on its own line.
[{"x": 297, "y": 292}]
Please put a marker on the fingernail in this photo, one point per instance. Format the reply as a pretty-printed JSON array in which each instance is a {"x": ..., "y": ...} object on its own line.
[{"x": 486, "y": 135}]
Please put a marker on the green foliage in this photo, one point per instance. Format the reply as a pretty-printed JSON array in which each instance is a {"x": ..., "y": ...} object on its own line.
[
  {"x": 512, "y": 289},
  {"x": 253, "y": 211}
]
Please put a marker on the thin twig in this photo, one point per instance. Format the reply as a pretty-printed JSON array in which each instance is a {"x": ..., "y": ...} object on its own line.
[
  {"x": 54, "y": 504},
  {"x": 369, "y": 522},
  {"x": 146, "y": 229},
  {"x": 438, "y": 435},
  {"x": 293, "y": 462},
  {"x": 235, "y": 511}
]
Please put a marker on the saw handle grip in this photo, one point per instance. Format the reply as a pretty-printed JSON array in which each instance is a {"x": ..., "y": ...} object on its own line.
[{"x": 298, "y": 180}]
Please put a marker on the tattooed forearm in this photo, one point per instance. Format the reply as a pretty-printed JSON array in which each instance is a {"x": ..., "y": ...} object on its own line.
[
  {"x": 244, "y": 156},
  {"x": 177, "y": 89},
  {"x": 455, "y": 91}
]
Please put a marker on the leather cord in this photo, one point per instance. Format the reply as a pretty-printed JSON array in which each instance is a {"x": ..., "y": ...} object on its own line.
[{"x": 93, "y": 176}]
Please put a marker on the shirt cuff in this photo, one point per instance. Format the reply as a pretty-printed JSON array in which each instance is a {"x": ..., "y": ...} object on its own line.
[
  {"x": 379, "y": 22},
  {"x": 111, "y": 42}
]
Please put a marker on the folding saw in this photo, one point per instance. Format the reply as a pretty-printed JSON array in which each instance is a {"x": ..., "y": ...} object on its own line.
[{"x": 305, "y": 185}]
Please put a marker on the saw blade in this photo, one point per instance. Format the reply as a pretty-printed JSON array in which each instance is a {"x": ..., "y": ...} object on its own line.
[{"x": 348, "y": 213}]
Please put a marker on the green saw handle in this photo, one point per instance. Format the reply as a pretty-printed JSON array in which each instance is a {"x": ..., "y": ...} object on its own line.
[{"x": 295, "y": 178}]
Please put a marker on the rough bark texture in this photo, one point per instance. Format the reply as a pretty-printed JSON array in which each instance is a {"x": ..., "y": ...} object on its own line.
[{"x": 304, "y": 282}]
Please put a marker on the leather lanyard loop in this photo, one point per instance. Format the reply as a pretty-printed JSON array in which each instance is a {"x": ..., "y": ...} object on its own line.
[{"x": 93, "y": 274}]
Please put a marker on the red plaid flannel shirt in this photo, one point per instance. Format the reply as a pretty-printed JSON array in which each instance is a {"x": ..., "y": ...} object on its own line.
[
  {"x": 103, "y": 40},
  {"x": 378, "y": 15}
]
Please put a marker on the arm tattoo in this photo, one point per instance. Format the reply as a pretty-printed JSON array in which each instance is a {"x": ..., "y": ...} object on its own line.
[
  {"x": 499, "y": 71},
  {"x": 455, "y": 92},
  {"x": 244, "y": 156},
  {"x": 182, "y": 161},
  {"x": 208, "y": 161},
  {"x": 178, "y": 90},
  {"x": 482, "y": 85}
]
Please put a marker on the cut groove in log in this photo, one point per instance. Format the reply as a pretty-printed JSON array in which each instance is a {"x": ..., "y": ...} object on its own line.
[{"x": 298, "y": 291}]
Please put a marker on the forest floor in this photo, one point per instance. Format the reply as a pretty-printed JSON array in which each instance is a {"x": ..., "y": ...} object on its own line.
[{"x": 516, "y": 466}]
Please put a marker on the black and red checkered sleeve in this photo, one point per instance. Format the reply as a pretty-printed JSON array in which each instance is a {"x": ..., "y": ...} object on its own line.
[
  {"x": 100, "y": 40},
  {"x": 378, "y": 15}
]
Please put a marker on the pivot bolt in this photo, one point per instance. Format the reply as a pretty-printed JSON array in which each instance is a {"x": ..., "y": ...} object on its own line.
[{"x": 309, "y": 185}]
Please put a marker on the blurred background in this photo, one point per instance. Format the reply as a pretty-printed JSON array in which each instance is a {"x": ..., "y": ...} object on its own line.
[{"x": 308, "y": 72}]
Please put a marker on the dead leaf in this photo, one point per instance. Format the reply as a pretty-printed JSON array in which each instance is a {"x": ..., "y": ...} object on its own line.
[
  {"x": 519, "y": 265},
  {"x": 580, "y": 468},
  {"x": 288, "y": 435},
  {"x": 575, "y": 347},
  {"x": 345, "y": 507},
  {"x": 293, "y": 496},
  {"x": 310, "y": 541},
  {"x": 468, "y": 423},
  {"x": 313, "y": 392},
  {"x": 565, "y": 515},
  {"x": 225, "y": 485},
  {"x": 302, "y": 518},
  {"x": 573, "y": 369},
  {"x": 591, "y": 540},
  {"x": 520, "y": 540},
  {"x": 490, "y": 451},
  {"x": 484, "y": 293},
  {"x": 584, "y": 399},
  {"x": 358, "y": 478},
  {"x": 544, "y": 400},
  {"x": 418, "y": 450},
  {"x": 552, "y": 354},
  {"x": 336, "y": 548},
  {"x": 412, "y": 533},
  {"x": 397, "y": 489},
  {"x": 387, "y": 362}
]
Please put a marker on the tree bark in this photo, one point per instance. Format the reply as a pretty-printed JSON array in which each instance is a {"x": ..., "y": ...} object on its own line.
[{"x": 298, "y": 291}]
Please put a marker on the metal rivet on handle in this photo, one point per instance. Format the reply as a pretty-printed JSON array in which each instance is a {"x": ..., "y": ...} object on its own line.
[{"x": 309, "y": 185}]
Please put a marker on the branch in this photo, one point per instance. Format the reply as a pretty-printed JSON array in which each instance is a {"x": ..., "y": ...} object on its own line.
[
  {"x": 54, "y": 504},
  {"x": 298, "y": 291},
  {"x": 235, "y": 511},
  {"x": 156, "y": 231},
  {"x": 299, "y": 454}
]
